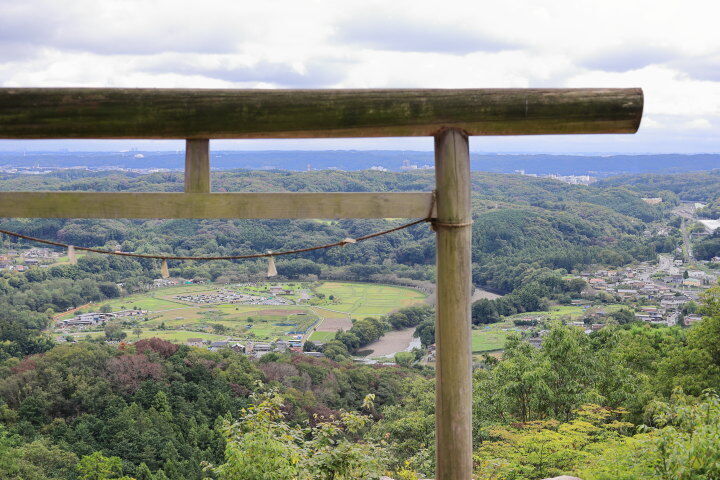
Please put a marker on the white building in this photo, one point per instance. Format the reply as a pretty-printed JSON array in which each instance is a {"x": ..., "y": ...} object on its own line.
[{"x": 710, "y": 225}]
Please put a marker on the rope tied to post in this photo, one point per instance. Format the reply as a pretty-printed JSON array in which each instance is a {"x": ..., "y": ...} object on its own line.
[{"x": 434, "y": 224}]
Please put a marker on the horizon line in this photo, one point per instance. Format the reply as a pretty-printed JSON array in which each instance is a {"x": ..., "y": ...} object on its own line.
[{"x": 430, "y": 152}]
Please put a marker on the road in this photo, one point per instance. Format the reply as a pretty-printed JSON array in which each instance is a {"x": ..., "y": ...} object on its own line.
[
  {"x": 686, "y": 211},
  {"x": 664, "y": 265},
  {"x": 687, "y": 245}
]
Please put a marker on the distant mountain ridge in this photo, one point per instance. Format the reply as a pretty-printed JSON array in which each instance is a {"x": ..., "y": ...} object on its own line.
[{"x": 393, "y": 160}]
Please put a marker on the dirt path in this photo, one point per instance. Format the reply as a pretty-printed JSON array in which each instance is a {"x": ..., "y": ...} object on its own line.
[
  {"x": 479, "y": 293},
  {"x": 55, "y": 317},
  {"x": 392, "y": 342}
]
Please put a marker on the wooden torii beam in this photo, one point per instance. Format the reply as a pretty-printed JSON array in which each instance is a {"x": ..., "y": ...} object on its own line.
[{"x": 200, "y": 115}]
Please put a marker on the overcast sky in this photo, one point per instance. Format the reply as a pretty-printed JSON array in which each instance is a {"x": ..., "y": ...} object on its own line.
[{"x": 670, "y": 48}]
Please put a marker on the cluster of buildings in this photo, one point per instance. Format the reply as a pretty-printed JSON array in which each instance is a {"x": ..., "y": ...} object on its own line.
[
  {"x": 170, "y": 282},
  {"x": 624, "y": 284},
  {"x": 20, "y": 261},
  {"x": 664, "y": 295},
  {"x": 710, "y": 226},
  {"x": 631, "y": 283},
  {"x": 45, "y": 169},
  {"x": 228, "y": 296},
  {"x": 39, "y": 254},
  {"x": 93, "y": 319},
  {"x": 218, "y": 296},
  {"x": 664, "y": 314},
  {"x": 406, "y": 165},
  {"x": 571, "y": 179},
  {"x": 254, "y": 349}
]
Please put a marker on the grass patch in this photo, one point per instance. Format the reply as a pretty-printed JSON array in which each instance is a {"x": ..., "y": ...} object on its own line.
[
  {"x": 488, "y": 340},
  {"x": 367, "y": 299},
  {"x": 322, "y": 336},
  {"x": 572, "y": 312}
]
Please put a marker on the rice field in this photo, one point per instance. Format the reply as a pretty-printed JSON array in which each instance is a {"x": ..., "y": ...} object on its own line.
[
  {"x": 316, "y": 317},
  {"x": 488, "y": 340},
  {"x": 361, "y": 300},
  {"x": 318, "y": 336}
]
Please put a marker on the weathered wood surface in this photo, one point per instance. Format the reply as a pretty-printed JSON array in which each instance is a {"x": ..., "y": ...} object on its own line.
[
  {"x": 453, "y": 370},
  {"x": 37, "y": 113},
  {"x": 214, "y": 205},
  {"x": 197, "y": 166}
]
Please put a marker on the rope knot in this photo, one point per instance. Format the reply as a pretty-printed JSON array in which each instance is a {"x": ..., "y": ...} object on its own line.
[{"x": 434, "y": 224}]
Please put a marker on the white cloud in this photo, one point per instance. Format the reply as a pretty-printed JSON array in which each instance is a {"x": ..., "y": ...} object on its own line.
[
  {"x": 697, "y": 124},
  {"x": 670, "y": 49},
  {"x": 398, "y": 32}
]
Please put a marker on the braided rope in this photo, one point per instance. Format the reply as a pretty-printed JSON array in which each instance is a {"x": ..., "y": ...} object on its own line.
[
  {"x": 433, "y": 221},
  {"x": 341, "y": 243},
  {"x": 225, "y": 257}
]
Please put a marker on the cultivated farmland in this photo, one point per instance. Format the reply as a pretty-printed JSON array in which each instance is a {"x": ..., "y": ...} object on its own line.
[{"x": 258, "y": 311}]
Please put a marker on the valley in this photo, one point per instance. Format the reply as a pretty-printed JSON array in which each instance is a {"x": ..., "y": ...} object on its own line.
[{"x": 287, "y": 313}]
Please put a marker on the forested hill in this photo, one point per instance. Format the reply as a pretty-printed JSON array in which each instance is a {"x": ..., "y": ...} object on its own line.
[
  {"x": 697, "y": 186},
  {"x": 522, "y": 225},
  {"x": 516, "y": 189},
  {"x": 702, "y": 187}
]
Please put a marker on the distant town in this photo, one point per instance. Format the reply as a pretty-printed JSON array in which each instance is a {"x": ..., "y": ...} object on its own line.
[
  {"x": 665, "y": 292},
  {"x": 405, "y": 167},
  {"x": 134, "y": 160}
]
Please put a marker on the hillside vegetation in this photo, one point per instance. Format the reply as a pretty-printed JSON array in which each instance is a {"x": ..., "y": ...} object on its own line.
[
  {"x": 626, "y": 402},
  {"x": 632, "y": 400}
]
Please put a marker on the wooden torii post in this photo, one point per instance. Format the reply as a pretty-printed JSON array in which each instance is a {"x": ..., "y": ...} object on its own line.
[{"x": 201, "y": 115}]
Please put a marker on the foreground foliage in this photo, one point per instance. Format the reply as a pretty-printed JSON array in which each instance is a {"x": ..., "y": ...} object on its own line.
[
  {"x": 261, "y": 446},
  {"x": 586, "y": 405}
]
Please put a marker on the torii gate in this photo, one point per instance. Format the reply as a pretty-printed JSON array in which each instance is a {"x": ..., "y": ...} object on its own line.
[{"x": 200, "y": 115}]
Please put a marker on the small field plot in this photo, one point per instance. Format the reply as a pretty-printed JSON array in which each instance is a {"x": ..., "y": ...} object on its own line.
[
  {"x": 571, "y": 312},
  {"x": 141, "y": 301},
  {"x": 64, "y": 259},
  {"x": 488, "y": 340},
  {"x": 318, "y": 336},
  {"x": 367, "y": 299},
  {"x": 391, "y": 343},
  {"x": 185, "y": 289},
  {"x": 175, "y": 315},
  {"x": 258, "y": 324},
  {"x": 178, "y": 336},
  {"x": 295, "y": 291},
  {"x": 332, "y": 321}
]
